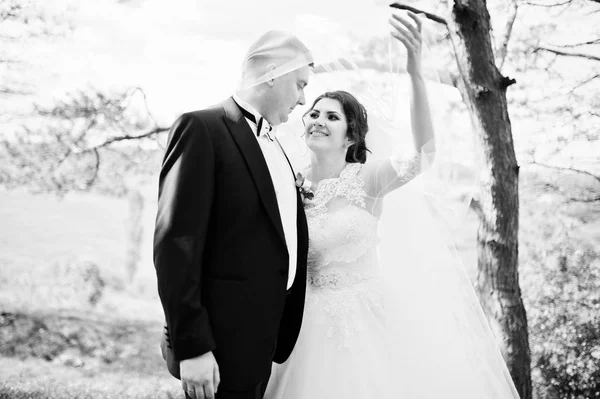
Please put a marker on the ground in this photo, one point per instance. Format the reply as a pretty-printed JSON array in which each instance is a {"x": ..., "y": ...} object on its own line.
[{"x": 71, "y": 326}]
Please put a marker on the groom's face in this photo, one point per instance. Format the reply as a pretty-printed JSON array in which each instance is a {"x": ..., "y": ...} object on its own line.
[{"x": 288, "y": 91}]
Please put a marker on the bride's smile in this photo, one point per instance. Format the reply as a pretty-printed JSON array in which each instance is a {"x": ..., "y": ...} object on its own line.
[{"x": 326, "y": 126}]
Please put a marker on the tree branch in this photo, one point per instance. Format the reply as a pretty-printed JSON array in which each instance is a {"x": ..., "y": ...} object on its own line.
[
  {"x": 583, "y": 172},
  {"x": 548, "y": 5},
  {"x": 595, "y": 41},
  {"x": 567, "y": 54},
  {"x": 94, "y": 177},
  {"x": 584, "y": 83},
  {"x": 415, "y": 10},
  {"x": 113, "y": 140},
  {"x": 510, "y": 21}
]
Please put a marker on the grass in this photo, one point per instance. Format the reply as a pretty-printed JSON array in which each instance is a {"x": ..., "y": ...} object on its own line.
[
  {"x": 81, "y": 355},
  {"x": 36, "y": 378}
]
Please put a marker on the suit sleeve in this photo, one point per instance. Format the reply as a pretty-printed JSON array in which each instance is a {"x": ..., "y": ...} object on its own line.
[{"x": 186, "y": 189}]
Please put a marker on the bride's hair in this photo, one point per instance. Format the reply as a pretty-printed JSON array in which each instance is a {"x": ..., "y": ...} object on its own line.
[{"x": 356, "y": 117}]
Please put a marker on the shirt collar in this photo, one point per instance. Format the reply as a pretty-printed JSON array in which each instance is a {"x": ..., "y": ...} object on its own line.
[{"x": 256, "y": 114}]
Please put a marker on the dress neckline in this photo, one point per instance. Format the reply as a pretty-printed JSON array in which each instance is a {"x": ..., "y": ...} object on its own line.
[
  {"x": 342, "y": 173},
  {"x": 351, "y": 168}
]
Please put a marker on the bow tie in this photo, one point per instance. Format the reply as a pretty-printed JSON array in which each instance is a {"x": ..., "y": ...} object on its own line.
[{"x": 259, "y": 125}]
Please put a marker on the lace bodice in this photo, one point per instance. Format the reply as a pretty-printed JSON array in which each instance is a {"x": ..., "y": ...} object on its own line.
[
  {"x": 341, "y": 230},
  {"x": 343, "y": 266},
  {"x": 343, "y": 222}
]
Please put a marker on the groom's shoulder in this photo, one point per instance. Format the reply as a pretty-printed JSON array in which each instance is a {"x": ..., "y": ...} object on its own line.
[{"x": 209, "y": 114}]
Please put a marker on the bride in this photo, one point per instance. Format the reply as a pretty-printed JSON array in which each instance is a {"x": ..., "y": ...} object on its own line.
[{"x": 366, "y": 334}]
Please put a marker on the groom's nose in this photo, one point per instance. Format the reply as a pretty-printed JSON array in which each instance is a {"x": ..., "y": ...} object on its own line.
[{"x": 301, "y": 99}]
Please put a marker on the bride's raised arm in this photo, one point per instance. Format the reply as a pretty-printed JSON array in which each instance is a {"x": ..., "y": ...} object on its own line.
[{"x": 386, "y": 176}]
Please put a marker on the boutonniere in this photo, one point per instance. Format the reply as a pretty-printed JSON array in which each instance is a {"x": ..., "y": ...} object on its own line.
[{"x": 304, "y": 187}]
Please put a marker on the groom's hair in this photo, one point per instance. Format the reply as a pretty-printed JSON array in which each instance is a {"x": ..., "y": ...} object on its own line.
[{"x": 275, "y": 49}]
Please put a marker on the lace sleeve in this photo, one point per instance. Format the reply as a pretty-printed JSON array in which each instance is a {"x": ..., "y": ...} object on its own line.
[{"x": 384, "y": 176}]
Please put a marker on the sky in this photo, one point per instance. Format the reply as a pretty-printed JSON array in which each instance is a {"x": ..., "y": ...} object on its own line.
[{"x": 186, "y": 54}]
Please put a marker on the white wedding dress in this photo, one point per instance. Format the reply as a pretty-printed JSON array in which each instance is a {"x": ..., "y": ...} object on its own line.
[
  {"x": 341, "y": 350},
  {"x": 350, "y": 344}
]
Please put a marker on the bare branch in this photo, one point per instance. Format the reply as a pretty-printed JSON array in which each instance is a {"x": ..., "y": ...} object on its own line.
[
  {"x": 584, "y": 82},
  {"x": 113, "y": 140},
  {"x": 94, "y": 177},
  {"x": 564, "y": 3},
  {"x": 415, "y": 10},
  {"x": 129, "y": 95},
  {"x": 567, "y": 54},
  {"x": 510, "y": 20},
  {"x": 595, "y": 41},
  {"x": 583, "y": 172}
]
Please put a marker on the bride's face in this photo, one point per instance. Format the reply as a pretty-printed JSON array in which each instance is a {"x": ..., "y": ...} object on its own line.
[{"x": 326, "y": 126}]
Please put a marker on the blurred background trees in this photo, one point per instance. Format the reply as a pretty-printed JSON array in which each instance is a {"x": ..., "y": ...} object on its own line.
[{"x": 107, "y": 140}]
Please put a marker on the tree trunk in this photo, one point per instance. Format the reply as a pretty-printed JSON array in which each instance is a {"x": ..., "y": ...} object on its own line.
[
  {"x": 135, "y": 231},
  {"x": 483, "y": 89}
]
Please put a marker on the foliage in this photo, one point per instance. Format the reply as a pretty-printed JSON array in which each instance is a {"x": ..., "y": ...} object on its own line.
[
  {"x": 25, "y": 22},
  {"x": 560, "y": 279},
  {"x": 554, "y": 53},
  {"x": 81, "y": 142}
]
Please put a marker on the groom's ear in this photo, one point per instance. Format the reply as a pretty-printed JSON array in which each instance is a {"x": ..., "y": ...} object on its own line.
[{"x": 269, "y": 68}]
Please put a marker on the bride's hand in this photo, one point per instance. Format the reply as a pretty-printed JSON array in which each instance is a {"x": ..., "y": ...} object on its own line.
[{"x": 405, "y": 31}]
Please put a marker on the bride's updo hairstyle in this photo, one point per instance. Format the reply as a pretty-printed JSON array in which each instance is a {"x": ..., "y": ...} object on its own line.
[{"x": 356, "y": 117}]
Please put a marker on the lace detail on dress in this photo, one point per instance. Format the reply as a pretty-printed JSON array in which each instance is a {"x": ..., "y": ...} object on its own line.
[
  {"x": 346, "y": 312},
  {"x": 337, "y": 280},
  {"x": 343, "y": 236},
  {"x": 407, "y": 168},
  {"x": 342, "y": 257},
  {"x": 348, "y": 186},
  {"x": 345, "y": 233}
]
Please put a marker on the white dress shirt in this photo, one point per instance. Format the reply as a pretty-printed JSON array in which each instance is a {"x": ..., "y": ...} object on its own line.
[{"x": 283, "y": 182}]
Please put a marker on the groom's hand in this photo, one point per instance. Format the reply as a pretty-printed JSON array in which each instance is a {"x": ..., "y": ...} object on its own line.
[{"x": 200, "y": 376}]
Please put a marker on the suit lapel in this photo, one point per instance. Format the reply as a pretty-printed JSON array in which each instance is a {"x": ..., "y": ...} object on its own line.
[
  {"x": 301, "y": 224},
  {"x": 298, "y": 195},
  {"x": 286, "y": 157},
  {"x": 250, "y": 149}
]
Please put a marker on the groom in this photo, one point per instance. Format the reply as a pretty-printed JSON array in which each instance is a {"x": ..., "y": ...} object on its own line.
[{"x": 231, "y": 238}]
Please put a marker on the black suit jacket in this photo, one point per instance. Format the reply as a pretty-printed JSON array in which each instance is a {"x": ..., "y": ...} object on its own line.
[{"x": 220, "y": 252}]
